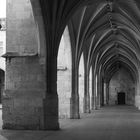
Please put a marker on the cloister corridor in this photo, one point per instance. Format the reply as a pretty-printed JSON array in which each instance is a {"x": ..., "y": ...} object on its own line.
[
  {"x": 70, "y": 69},
  {"x": 108, "y": 123}
]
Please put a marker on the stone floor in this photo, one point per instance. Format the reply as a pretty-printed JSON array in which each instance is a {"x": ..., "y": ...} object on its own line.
[{"x": 108, "y": 123}]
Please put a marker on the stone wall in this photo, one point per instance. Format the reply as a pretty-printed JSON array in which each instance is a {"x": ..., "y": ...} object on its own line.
[
  {"x": 25, "y": 72},
  {"x": 122, "y": 82}
]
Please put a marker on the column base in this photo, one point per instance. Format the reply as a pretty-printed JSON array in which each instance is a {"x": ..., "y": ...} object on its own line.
[
  {"x": 74, "y": 108},
  {"x": 87, "y": 111},
  {"x": 51, "y": 113},
  {"x": 94, "y": 108},
  {"x": 98, "y": 107},
  {"x": 93, "y": 104},
  {"x": 87, "y": 105}
]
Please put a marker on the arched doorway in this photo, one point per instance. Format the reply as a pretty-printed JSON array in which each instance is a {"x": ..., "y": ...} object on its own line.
[
  {"x": 121, "y": 96},
  {"x": 81, "y": 84},
  {"x": 64, "y": 75}
]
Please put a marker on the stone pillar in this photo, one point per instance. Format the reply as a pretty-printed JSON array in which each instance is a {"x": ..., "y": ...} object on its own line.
[
  {"x": 107, "y": 93},
  {"x": 93, "y": 91},
  {"x": 137, "y": 96},
  {"x": 51, "y": 112},
  {"x": 74, "y": 101},
  {"x": 86, "y": 93},
  {"x": 74, "y": 107},
  {"x": 51, "y": 98},
  {"x": 101, "y": 92},
  {"x": 98, "y": 94},
  {"x": 25, "y": 84},
  {"x": 23, "y": 94}
]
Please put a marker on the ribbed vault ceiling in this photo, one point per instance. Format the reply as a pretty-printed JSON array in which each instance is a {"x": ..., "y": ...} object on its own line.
[{"x": 108, "y": 33}]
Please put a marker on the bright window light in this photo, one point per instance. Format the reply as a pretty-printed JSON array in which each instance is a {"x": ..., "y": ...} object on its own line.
[{"x": 2, "y": 8}]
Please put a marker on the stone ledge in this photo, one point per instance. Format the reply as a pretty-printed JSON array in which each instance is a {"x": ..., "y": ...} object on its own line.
[{"x": 9, "y": 55}]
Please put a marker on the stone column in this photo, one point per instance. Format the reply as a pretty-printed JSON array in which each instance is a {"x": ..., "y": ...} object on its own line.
[
  {"x": 102, "y": 92},
  {"x": 51, "y": 98},
  {"x": 25, "y": 72},
  {"x": 93, "y": 90},
  {"x": 98, "y": 93},
  {"x": 86, "y": 93},
  {"x": 95, "y": 93},
  {"x": 74, "y": 101},
  {"x": 137, "y": 96},
  {"x": 105, "y": 93}
]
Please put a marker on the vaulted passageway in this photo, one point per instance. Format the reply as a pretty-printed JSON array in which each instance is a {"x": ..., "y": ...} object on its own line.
[{"x": 103, "y": 34}]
